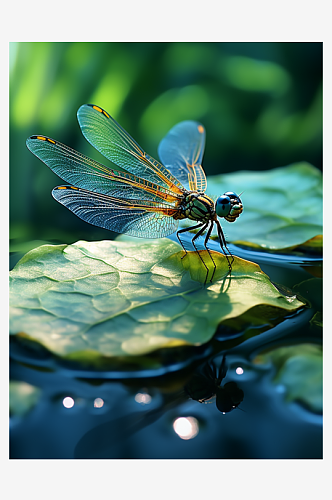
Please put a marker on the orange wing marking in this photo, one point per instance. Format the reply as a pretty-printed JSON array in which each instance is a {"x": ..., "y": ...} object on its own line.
[{"x": 100, "y": 110}]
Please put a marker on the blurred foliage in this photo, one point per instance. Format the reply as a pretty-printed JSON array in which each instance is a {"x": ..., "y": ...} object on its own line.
[{"x": 261, "y": 104}]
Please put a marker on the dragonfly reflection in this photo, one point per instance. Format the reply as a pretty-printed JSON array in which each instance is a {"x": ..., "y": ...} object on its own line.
[{"x": 205, "y": 387}]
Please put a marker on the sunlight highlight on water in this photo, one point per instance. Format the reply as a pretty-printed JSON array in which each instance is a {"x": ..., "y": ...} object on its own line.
[
  {"x": 68, "y": 402},
  {"x": 186, "y": 427},
  {"x": 143, "y": 398},
  {"x": 98, "y": 403}
]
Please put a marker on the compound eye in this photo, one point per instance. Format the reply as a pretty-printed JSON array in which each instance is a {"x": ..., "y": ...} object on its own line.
[
  {"x": 233, "y": 196},
  {"x": 223, "y": 206}
]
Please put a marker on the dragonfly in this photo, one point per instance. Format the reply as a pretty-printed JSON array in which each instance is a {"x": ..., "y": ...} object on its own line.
[{"x": 146, "y": 198}]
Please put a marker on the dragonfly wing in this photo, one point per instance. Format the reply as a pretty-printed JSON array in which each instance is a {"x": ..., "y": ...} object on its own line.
[
  {"x": 181, "y": 151},
  {"x": 142, "y": 219},
  {"x": 83, "y": 172},
  {"x": 112, "y": 141}
]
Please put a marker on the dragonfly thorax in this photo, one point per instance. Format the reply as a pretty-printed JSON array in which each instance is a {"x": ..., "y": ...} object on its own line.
[{"x": 197, "y": 206}]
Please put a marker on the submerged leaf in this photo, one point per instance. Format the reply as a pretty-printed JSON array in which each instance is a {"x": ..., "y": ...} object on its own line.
[
  {"x": 300, "y": 371},
  {"x": 312, "y": 291},
  {"x": 317, "y": 319},
  {"x": 120, "y": 298},
  {"x": 283, "y": 207},
  {"x": 22, "y": 397}
]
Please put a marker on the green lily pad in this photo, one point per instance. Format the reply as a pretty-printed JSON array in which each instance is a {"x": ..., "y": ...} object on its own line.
[
  {"x": 300, "y": 371},
  {"x": 22, "y": 398},
  {"x": 282, "y": 207},
  {"x": 125, "y": 298}
]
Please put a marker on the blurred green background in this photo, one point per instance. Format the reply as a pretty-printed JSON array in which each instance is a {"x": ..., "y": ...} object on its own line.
[{"x": 261, "y": 105}]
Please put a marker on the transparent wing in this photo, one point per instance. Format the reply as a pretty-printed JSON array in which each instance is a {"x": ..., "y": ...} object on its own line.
[
  {"x": 144, "y": 219},
  {"x": 181, "y": 151},
  {"x": 111, "y": 140},
  {"x": 83, "y": 172}
]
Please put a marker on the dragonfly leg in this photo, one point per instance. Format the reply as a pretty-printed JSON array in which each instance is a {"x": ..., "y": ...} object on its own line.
[
  {"x": 205, "y": 244},
  {"x": 184, "y": 230},
  {"x": 193, "y": 242},
  {"x": 223, "y": 245}
]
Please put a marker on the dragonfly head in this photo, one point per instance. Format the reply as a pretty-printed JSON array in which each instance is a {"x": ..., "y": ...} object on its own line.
[{"x": 229, "y": 206}]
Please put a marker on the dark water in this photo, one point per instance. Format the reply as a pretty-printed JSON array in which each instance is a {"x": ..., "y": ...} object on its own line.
[{"x": 135, "y": 415}]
